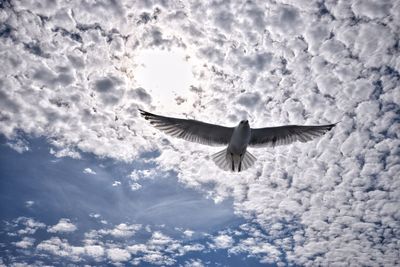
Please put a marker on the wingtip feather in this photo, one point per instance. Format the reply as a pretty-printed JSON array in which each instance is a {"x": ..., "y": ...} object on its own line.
[
  {"x": 330, "y": 126},
  {"x": 142, "y": 112},
  {"x": 146, "y": 115}
]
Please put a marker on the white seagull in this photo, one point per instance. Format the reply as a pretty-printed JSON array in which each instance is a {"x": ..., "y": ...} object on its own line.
[{"x": 235, "y": 157}]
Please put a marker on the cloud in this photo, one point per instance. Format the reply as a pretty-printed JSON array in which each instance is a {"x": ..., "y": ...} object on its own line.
[
  {"x": 122, "y": 230},
  {"x": 135, "y": 186},
  {"x": 257, "y": 244},
  {"x": 194, "y": 263},
  {"x": 65, "y": 152},
  {"x": 372, "y": 9},
  {"x": 30, "y": 225},
  {"x": 188, "y": 233},
  {"x": 89, "y": 171},
  {"x": 137, "y": 175},
  {"x": 61, "y": 247},
  {"x": 116, "y": 183},
  {"x": 249, "y": 100},
  {"x": 140, "y": 94},
  {"x": 63, "y": 226},
  {"x": 118, "y": 255},
  {"x": 29, "y": 203},
  {"x": 94, "y": 251},
  {"x": 159, "y": 239},
  {"x": 95, "y": 215},
  {"x": 26, "y": 242},
  {"x": 158, "y": 258},
  {"x": 223, "y": 241},
  {"x": 115, "y": 245},
  {"x": 19, "y": 145}
]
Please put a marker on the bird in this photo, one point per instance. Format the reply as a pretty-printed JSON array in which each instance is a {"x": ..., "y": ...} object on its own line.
[{"x": 235, "y": 156}]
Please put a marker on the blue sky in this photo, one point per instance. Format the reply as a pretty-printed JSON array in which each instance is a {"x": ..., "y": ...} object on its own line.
[
  {"x": 37, "y": 185},
  {"x": 86, "y": 180}
]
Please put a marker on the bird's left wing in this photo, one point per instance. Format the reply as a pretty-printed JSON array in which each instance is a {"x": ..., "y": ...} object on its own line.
[
  {"x": 190, "y": 130},
  {"x": 283, "y": 135}
]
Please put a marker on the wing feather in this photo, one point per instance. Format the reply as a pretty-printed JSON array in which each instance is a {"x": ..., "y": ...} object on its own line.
[
  {"x": 190, "y": 130},
  {"x": 283, "y": 135}
]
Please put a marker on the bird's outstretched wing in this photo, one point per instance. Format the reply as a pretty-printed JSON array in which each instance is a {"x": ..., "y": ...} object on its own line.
[
  {"x": 283, "y": 135},
  {"x": 190, "y": 130}
]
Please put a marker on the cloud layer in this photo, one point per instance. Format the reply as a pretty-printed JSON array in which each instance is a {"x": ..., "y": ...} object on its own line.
[{"x": 68, "y": 73}]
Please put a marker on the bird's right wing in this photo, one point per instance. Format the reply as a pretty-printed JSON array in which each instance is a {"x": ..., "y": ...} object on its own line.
[
  {"x": 190, "y": 130},
  {"x": 283, "y": 135}
]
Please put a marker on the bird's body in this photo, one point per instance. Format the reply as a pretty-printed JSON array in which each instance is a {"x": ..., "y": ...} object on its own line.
[
  {"x": 238, "y": 144},
  {"x": 235, "y": 156},
  {"x": 240, "y": 138}
]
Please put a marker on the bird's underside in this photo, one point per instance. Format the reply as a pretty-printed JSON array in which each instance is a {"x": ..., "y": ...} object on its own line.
[{"x": 235, "y": 157}]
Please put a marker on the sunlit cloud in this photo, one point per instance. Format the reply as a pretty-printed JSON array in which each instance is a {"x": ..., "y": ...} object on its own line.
[{"x": 167, "y": 75}]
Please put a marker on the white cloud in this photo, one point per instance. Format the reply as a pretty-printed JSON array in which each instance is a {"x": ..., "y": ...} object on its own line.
[
  {"x": 190, "y": 248},
  {"x": 122, "y": 230},
  {"x": 19, "y": 145},
  {"x": 61, "y": 247},
  {"x": 258, "y": 246},
  {"x": 372, "y": 9},
  {"x": 29, "y": 203},
  {"x": 194, "y": 263},
  {"x": 137, "y": 248},
  {"x": 63, "y": 226},
  {"x": 30, "y": 225},
  {"x": 89, "y": 171},
  {"x": 158, "y": 258},
  {"x": 188, "y": 233},
  {"x": 135, "y": 186},
  {"x": 26, "y": 242},
  {"x": 54, "y": 246},
  {"x": 159, "y": 239},
  {"x": 118, "y": 254},
  {"x": 94, "y": 251},
  {"x": 65, "y": 152},
  {"x": 95, "y": 215},
  {"x": 116, "y": 183},
  {"x": 159, "y": 249},
  {"x": 223, "y": 241},
  {"x": 137, "y": 175}
]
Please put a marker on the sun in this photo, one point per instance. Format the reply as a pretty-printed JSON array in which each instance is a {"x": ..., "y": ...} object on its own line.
[{"x": 166, "y": 74}]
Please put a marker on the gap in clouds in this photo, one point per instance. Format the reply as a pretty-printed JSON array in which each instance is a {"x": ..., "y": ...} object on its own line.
[
  {"x": 60, "y": 187},
  {"x": 43, "y": 197}
]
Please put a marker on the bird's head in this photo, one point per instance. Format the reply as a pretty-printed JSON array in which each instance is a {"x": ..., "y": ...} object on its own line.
[{"x": 244, "y": 123}]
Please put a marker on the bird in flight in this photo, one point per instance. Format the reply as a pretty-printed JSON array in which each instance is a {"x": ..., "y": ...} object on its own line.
[{"x": 235, "y": 157}]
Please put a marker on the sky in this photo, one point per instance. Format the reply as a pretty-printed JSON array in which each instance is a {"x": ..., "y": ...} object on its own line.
[{"x": 86, "y": 181}]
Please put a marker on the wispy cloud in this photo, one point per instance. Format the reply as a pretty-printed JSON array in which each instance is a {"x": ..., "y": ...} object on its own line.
[
  {"x": 29, "y": 203},
  {"x": 89, "y": 171}
]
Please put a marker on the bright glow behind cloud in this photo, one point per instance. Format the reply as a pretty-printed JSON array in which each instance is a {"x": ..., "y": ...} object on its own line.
[{"x": 166, "y": 75}]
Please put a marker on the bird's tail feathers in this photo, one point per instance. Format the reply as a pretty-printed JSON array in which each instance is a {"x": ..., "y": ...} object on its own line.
[
  {"x": 223, "y": 160},
  {"x": 248, "y": 160},
  {"x": 227, "y": 162}
]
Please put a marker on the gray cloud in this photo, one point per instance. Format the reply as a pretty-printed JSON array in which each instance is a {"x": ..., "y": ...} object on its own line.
[{"x": 140, "y": 94}]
